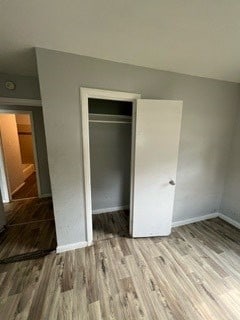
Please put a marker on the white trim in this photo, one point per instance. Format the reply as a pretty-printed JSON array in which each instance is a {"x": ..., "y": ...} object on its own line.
[
  {"x": 23, "y": 199},
  {"x": 206, "y": 217},
  {"x": 20, "y": 102},
  {"x": 72, "y": 246},
  {"x": 195, "y": 219},
  {"x": 109, "y": 95},
  {"x": 18, "y": 188},
  {"x": 113, "y": 209},
  {"x": 85, "y": 94},
  {"x": 83, "y": 244},
  {"x": 229, "y": 220},
  {"x": 27, "y": 171},
  {"x": 133, "y": 148},
  {"x": 4, "y": 181}
]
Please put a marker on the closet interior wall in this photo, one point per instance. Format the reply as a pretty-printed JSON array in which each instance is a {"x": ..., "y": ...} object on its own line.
[{"x": 110, "y": 154}]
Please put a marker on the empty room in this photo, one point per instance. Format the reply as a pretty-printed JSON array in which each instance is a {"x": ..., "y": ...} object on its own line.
[{"x": 120, "y": 160}]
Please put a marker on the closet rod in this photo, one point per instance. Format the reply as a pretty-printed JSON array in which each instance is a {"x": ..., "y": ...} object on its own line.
[
  {"x": 108, "y": 121},
  {"x": 120, "y": 116}
]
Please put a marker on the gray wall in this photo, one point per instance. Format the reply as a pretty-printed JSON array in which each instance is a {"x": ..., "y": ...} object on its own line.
[
  {"x": 110, "y": 156},
  {"x": 209, "y": 110},
  {"x": 231, "y": 196},
  {"x": 28, "y": 88}
]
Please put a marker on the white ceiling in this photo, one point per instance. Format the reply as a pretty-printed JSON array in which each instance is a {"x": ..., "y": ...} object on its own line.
[{"x": 198, "y": 37}]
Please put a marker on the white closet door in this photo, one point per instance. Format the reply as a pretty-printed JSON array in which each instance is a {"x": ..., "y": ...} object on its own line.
[{"x": 157, "y": 132}]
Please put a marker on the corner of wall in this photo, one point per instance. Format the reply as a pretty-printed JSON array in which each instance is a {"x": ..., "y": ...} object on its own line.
[{"x": 230, "y": 202}]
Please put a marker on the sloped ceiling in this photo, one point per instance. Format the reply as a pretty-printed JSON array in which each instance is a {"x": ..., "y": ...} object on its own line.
[{"x": 197, "y": 37}]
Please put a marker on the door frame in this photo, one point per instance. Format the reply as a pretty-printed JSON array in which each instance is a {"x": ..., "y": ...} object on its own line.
[
  {"x": 85, "y": 94},
  {"x": 6, "y": 101},
  {"x": 4, "y": 174}
]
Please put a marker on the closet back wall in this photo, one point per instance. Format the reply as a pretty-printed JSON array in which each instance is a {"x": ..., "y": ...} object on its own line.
[{"x": 110, "y": 155}]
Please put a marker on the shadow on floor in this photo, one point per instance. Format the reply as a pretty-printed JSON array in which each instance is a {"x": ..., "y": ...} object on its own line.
[
  {"x": 110, "y": 225},
  {"x": 30, "y": 228}
]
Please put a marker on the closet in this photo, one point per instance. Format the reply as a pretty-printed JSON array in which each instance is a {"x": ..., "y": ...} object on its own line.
[
  {"x": 130, "y": 156},
  {"x": 110, "y": 134}
]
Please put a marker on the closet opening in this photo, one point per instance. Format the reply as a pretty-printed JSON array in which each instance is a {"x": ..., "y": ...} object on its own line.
[
  {"x": 108, "y": 117},
  {"x": 110, "y": 143}
]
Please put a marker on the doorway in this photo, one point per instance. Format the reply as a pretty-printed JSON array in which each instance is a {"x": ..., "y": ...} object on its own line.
[
  {"x": 29, "y": 227},
  {"x": 19, "y": 165},
  {"x": 108, "y": 116},
  {"x": 110, "y": 132}
]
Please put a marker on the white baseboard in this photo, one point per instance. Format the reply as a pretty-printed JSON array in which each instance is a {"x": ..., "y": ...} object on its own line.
[
  {"x": 105, "y": 210},
  {"x": 19, "y": 187},
  {"x": 83, "y": 244},
  {"x": 195, "y": 219},
  {"x": 229, "y": 220},
  {"x": 72, "y": 246},
  {"x": 27, "y": 171},
  {"x": 206, "y": 217}
]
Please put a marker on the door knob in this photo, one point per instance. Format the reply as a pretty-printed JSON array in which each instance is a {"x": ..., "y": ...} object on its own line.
[{"x": 173, "y": 183}]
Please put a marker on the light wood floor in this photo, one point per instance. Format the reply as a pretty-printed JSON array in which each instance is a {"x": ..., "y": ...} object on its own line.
[
  {"x": 30, "y": 227},
  {"x": 192, "y": 274}
]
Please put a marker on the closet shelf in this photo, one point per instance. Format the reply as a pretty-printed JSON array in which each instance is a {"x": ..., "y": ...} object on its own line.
[{"x": 109, "y": 118}]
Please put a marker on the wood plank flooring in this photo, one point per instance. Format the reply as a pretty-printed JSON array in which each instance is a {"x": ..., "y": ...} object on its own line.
[
  {"x": 28, "y": 190},
  {"x": 110, "y": 225},
  {"x": 30, "y": 227},
  {"x": 23, "y": 211},
  {"x": 192, "y": 274}
]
